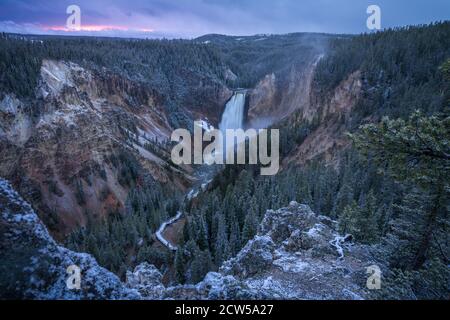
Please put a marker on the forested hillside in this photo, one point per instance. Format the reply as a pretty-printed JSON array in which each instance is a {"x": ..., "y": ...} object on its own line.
[
  {"x": 391, "y": 192},
  {"x": 400, "y": 69}
]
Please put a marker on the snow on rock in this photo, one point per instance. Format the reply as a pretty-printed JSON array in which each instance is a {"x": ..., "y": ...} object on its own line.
[
  {"x": 217, "y": 286},
  {"x": 205, "y": 185},
  {"x": 34, "y": 266},
  {"x": 255, "y": 256},
  {"x": 295, "y": 255},
  {"x": 204, "y": 124},
  {"x": 314, "y": 232},
  {"x": 288, "y": 262},
  {"x": 192, "y": 194},
  {"x": 146, "y": 279},
  {"x": 58, "y": 74},
  {"x": 338, "y": 243}
]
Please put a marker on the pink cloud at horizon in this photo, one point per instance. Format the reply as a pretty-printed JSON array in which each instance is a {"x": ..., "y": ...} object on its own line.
[{"x": 96, "y": 28}]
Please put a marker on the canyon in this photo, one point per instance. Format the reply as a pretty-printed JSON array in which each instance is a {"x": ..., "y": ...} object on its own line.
[
  {"x": 59, "y": 148},
  {"x": 87, "y": 175}
]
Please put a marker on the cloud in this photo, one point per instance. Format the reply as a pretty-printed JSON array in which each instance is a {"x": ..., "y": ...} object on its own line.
[
  {"x": 24, "y": 28},
  {"x": 190, "y": 18},
  {"x": 86, "y": 30}
]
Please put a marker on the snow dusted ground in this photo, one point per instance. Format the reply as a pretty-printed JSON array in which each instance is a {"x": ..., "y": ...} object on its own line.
[
  {"x": 35, "y": 267},
  {"x": 295, "y": 255}
]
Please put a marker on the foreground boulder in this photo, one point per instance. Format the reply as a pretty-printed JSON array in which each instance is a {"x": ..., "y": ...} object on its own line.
[{"x": 34, "y": 266}]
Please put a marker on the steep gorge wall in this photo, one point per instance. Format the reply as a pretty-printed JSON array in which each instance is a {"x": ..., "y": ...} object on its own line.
[
  {"x": 61, "y": 149},
  {"x": 332, "y": 113},
  {"x": 275, "y": 98},
  {"x": 293, "y": 100}
]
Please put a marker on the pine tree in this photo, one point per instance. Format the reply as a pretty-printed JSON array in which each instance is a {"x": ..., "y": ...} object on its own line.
[
  {"x": 415, "y": 151},
  {"x": 250, "y": 227},
  {"x": 235, "y": 238},
  {"x": 343, "y": 198},
  {"x": 200, "y": 265},
  {"x": 79, "y": 193},
  {"x": 361, "y": 221},
  {"x": 202, "y": 239},
  {"x": 179, "y": 264},
  {"x": 367, "y": 220},
  {"x": 348, "y": 218},
  {"x": 222, "y": 249}
]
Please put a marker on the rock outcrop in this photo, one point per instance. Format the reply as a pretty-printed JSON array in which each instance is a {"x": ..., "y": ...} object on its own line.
[
  {"x": 147, "y": 280},
  {"x": 295, "y": 255},
  {"x": 273, "y": 99},
  {"x": 333, "y": 111},
  {"x": 63, "y": 151},
  {"x": 34, "y": 266}
]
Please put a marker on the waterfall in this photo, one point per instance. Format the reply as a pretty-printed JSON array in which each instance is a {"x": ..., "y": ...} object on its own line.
[{"x": 233, "y": 116}]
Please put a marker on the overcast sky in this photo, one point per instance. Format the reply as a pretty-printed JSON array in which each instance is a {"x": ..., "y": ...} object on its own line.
[{"x": 191, "y": 18}]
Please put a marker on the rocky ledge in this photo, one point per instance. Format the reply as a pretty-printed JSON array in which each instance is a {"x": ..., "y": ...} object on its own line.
[
  {"x": 295, "y": 255},
  {"x": 34, "y": 266}
]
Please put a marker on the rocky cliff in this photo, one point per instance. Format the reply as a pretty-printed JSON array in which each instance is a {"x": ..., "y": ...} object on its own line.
[
  {"x": 68, "y": 150},
  {"x": 295, "y": 255},
  {"x": 331, "y": 113},
  {"x": 292, "y": 100},
  {"x": 275, "y": 98},
  {"x": 34, "y": 266}
]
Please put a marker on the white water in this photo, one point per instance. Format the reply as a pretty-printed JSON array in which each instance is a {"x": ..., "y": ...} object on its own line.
[
  {"x": 233, "y": 116},
  {"x": 164, "y": 225}
]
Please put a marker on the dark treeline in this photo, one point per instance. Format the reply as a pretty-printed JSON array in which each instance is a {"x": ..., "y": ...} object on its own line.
[{"x": 160, "y": 63}]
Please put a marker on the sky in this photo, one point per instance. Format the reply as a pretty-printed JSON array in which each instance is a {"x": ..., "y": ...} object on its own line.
[{"x": 192, "y": 18}]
